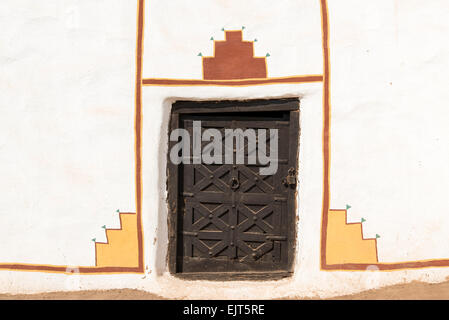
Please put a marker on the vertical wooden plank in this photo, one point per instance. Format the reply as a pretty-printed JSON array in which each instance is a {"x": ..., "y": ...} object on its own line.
[
  {"x": 173, "y": 195},
  {"x": 292, "y": 205}
]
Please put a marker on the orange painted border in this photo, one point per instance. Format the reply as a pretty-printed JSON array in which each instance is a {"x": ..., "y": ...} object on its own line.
[
  {"x": 138, "y": 161},
  {"x": 326, "y": 129},
  {"x": 231, "y": 83},
  {"x": 138, "y": 127}
]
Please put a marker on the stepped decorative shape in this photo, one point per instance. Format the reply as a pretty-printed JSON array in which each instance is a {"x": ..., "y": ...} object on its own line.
[
  {"x": 345, "y": 243},
  {"x": 121, "y": 248},
  {"x": 234, "y": 59}
]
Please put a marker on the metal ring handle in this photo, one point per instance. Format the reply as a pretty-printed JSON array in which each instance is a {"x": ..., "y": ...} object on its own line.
[{"x": 234, "y": 183}]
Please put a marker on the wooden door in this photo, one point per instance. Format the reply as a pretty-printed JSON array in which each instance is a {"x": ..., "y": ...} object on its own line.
[{"x": 229, "y": 218}]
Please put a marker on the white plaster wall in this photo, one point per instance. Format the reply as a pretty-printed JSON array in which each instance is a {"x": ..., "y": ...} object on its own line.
[
  {"x": 390, "y": 65},
  {"x": 67, "y": 72},
  {"x": 67, "y": 89},
  {"x": 176, "y": 31}
]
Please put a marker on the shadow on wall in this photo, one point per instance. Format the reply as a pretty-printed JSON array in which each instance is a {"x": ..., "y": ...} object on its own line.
[{"x": 161, "y": 245}]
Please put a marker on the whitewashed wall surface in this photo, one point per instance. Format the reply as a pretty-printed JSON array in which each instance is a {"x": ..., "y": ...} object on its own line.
[{"x": 68, "y": 72}]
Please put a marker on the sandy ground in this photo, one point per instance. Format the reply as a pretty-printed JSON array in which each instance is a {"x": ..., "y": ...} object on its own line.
[
  {"x": 411, "y": 291},
  {"x": 414, "y": 290}
]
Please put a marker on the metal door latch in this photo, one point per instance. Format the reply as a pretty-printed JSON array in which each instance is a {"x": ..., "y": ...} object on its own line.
[
  {"x": 290, "y": 179},
  {"x": 234, "y": 183}
]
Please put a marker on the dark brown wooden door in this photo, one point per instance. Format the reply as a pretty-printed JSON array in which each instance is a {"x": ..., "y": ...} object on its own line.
[{"x": 229, "y": 217}]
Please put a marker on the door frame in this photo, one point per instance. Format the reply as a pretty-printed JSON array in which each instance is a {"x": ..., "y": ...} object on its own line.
[{"x": 223, "y": 106}]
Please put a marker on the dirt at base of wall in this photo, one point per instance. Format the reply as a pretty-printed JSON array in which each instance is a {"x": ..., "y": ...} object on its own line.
[
  {"x": 117, "y": 294},
  {"x": 410, "y": 291}
]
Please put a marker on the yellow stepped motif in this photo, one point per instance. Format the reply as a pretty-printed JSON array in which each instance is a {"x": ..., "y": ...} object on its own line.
[
  {"x": 345, "y": 242},
  {"x": 121, "y": 247}
]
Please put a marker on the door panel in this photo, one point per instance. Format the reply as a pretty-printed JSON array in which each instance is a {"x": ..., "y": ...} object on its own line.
[{"x": 229, "y": 217}]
